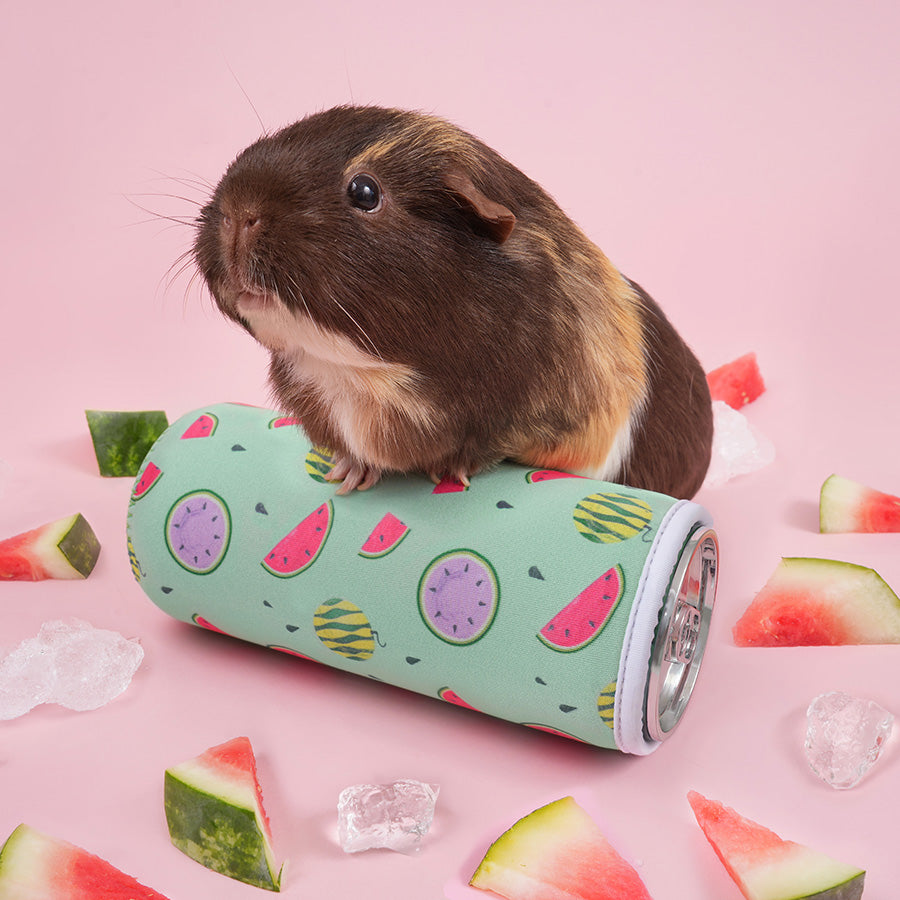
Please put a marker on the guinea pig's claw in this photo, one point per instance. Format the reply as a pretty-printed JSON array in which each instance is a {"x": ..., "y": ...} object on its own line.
[{"x": 353, "y": 475}]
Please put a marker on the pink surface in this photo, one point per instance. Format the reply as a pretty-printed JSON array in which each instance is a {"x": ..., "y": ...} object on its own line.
[{"x": 738, "y": 161}]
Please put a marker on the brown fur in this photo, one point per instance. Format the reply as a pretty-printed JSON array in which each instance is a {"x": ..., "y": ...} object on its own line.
[{"x": 465, "y": 321}]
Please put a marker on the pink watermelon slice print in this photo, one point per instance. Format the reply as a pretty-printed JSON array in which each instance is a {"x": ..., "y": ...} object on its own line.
[
  {"x": 449, "y": 485},
  {"x": 301, "y": 546},
  {"x": 583, "y": 618},
  {"x": 198, "y": 530},
  {"x": 385, "y": 537},
  {"x": 201, "y": 427},
  {"x": 458, "y": 596},
  {"x": 151, "y": 474},
  {"x": 448, "y": 694},
  {"x": 284, "y": 422},
  {"x": 538, "y": 475}
]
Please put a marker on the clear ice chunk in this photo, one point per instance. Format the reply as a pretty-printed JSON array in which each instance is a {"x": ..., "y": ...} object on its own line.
[
  {"x": 393, "y": 816},
  {"x": 844, "y": 737},
  {"x": 737, "y": 449},
  {"x": 69, "y": 663}
]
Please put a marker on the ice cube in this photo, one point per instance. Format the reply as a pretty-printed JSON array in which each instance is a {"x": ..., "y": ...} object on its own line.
[
  {"x": 737, "y": 449},
  {"x": 69, "y": 663},
  {"x": 844, "y": 737},
  {"x": 394, "y": 816}
]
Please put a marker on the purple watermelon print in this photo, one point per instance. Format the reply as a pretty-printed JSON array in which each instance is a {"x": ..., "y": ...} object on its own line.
[
  {"x": 458, "y": 596},
  {"x": 198, "y": 529}
]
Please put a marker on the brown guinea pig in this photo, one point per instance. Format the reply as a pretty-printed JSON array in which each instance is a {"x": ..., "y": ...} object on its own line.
[{"x": 430, "y": 308}]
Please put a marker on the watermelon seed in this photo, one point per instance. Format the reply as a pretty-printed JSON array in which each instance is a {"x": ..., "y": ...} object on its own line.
[
  {"x": 470, "y": 620},
  {"x": 238, "y": 447},
  {"x": 566, "y": 709},
  {"x": 165, "y": 590},
  {"x": 540, "y": 680},
  {"x": 292, "y": 628},
  {"x": 482, "y": 603},
  {"x": 412, "y": 660},
  {"x": 261, "y": 509},
  {"x": 535, "y": 572},
  {"x": 502, "y": 504},
  {"x": 266, "y": 603},
  {"x": 479, "y": 583},
  {"x": 207, "y": 553}
]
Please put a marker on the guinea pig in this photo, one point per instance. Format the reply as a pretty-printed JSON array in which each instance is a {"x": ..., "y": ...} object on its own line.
[{"x": 429, "y": 308}]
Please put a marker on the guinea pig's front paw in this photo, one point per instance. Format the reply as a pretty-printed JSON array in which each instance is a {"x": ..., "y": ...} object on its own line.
[
  {"x": 460, "y": 475},
  {"x": 353, "y": 474}
]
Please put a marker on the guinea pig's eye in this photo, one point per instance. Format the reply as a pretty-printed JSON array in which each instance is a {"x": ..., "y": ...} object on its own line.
[{"x": 364, "y": 193}]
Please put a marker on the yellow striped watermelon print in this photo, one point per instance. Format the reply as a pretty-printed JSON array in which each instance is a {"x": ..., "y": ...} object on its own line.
[
  {"x": 343, "y": 627},
  {"x": 608, "y": 518},
  {"x": 606, "y": 704},
  {"x": 319, "y": 462}
]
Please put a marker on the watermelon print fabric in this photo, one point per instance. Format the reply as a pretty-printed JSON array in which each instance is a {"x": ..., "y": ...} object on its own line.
[{"x": 515, "y": 594}]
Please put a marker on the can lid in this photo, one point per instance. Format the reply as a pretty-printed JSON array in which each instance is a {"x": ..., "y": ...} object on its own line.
[{"x": 681, "y": 633}]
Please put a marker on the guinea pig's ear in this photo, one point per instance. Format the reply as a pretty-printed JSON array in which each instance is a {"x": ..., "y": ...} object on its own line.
[{"x": 495, "y": 218}]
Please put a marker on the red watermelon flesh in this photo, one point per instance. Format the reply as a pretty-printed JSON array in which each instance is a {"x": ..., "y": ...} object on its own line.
[
  {"x": 448, "y": 694},
  {"x": 764, "y": 866},
  {"x": 737, "y": 383},
  {"x": 539, "y": 475},
  {"x": 583, "y": 618},
  {"x": 34, "y": 865},
  {"x": 558, "y": 853},
  {"x": 301, "y": 546},
  {"x": 814, "y": 602},
  {"x": 846, "y": 505},
  {"x": 66, "y": 548}
]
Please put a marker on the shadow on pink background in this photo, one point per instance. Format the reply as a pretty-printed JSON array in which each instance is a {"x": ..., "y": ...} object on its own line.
[{"x": 739, "y": 162}]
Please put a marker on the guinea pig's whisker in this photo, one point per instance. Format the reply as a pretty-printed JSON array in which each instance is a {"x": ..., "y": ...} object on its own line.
[{"x": 359, "y": 327}]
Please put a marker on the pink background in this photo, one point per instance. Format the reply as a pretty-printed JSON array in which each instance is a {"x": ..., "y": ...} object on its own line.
[{"x": 737, "y": 160}]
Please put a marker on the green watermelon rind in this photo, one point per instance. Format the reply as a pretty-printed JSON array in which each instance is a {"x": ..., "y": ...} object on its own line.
[
  {"x": 224, "y": 551},
  {"x": 496, "y": 594},
  {"x": 218, "y": 827},
  {"x": 122, "y": 439},
  {"x": 559, "y": 648},
  {"x": 293, "y": 572}
]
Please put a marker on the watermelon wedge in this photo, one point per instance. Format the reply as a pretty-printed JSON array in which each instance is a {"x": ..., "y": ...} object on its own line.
[
  {"x": 737, "y": 383},
  {"x": 215, "y": 814},
  {"x": 151, "y": 474},
  {"x": 34, "y": 866},
  {"x": 122, "y": 439},
  {"x": 201, "y": 427},
  {"x": 557, "y": 852},
  {"x": 809, "y": 602},
  {"x": 301, "y": 546},
  {"x": 66, "y": 548},
  {"x": 583, "y": 618},
  {"x": 385, "y": 537},
  {"x": 846, "y": 505},
  {"x": 765, "y": 867}
]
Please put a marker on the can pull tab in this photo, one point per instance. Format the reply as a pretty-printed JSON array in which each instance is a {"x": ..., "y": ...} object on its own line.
[{"x": 684, "y": 633}]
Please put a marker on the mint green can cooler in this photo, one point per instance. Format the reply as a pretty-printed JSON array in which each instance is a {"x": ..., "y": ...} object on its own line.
[{"x": 558, "y": 602}]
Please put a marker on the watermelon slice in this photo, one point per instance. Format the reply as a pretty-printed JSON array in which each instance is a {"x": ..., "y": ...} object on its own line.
[
  {"x": 737, "y": 383},
  {"x": 448, "y": 485},
  {"x": 536, "y": 476},
  {"x": 215, "y": 814},
  {"x": 201, "y": 427},
  {"x": 385, "y": 537},
  {"x": 34, "y": 866},
  {"x": 810, "y": 602},
  {"x": 557, "y": 852},
  {"x": 66, "y": 548},
  {"x": 448, "y": 694},
  {"x": 846, "y": 505},
  {"x": 583, "y": 618},
  {"x": 301, "y": 546},
  {"x": 765, "y": 867},
  {"x": 151, "y": 474},
  {"x": 123, "y": 439}
]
